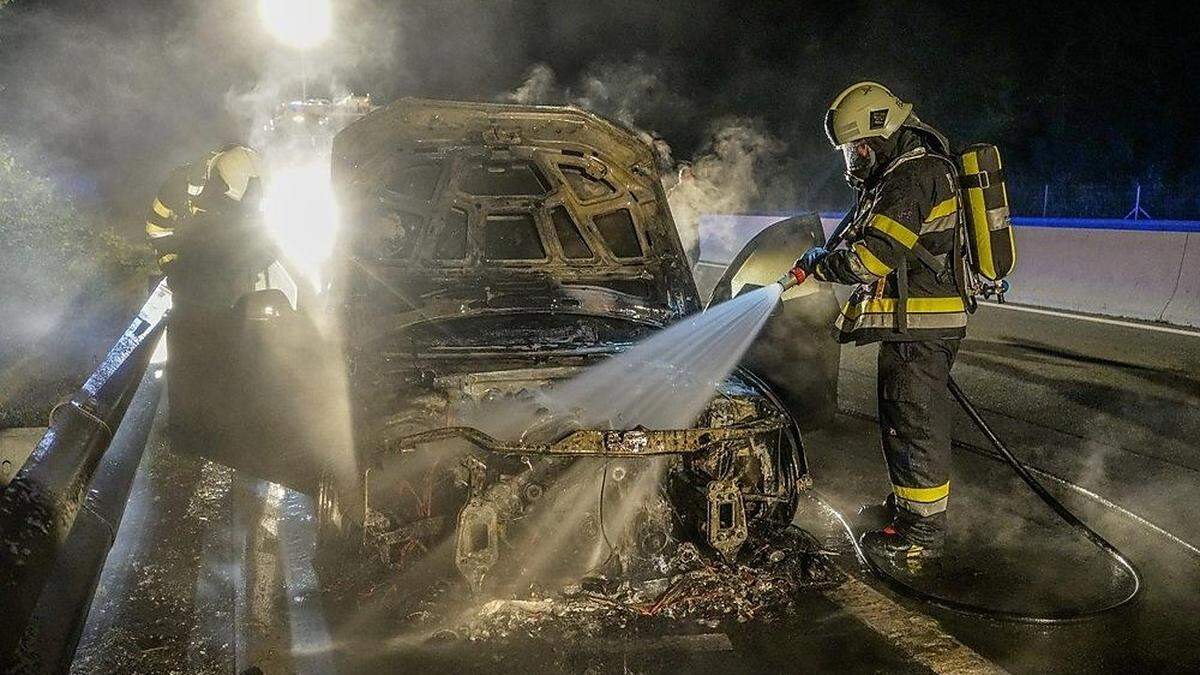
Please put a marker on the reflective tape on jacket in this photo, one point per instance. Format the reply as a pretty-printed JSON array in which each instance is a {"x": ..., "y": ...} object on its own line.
[
  {"x": 942, "y": 217},
  {"x": 873, "y": 264},
  {"x": 922, "y": 501},
  {"x": 914, "y": 306},
  {"x": 894, "y": 229},
  {"x": 920, "y": 314},
  {"x": 946, "y": 208},
  {"x": 161, "y": 209},
  {"x": 156, "y": 232}
]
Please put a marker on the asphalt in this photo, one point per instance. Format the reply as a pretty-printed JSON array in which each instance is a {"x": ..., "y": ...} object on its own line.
[
  {"x": 1109, "y": 408},
  {"x": 212, "y": 572}
]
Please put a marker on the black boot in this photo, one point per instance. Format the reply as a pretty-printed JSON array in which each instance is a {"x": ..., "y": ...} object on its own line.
[
  {"x": 891, "y": 544},
  {"x": 876, "y": 516}
]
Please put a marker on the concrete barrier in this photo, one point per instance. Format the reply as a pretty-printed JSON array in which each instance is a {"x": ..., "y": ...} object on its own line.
[
  {"x": 1148, "y": 270},
  {"x": 1184, "y": 306},
  {"x": 1119, "y": 273}
]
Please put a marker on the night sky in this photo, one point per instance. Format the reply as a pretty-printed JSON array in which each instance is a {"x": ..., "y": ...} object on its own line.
[{"x": 113, "y": 93}]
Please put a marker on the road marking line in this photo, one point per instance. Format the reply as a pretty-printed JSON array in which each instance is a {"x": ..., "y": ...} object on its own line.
[
  {"x": 1095, "y": 319},
  {"x": 916, "y": 634}
]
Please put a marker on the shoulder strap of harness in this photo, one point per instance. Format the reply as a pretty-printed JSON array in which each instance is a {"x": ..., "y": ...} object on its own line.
[
  {"x": 922, "y": 254},
  {"x": 960, "y": 251}
]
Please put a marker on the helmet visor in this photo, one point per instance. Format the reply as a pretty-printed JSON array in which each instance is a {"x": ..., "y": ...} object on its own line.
[{"x": 860, "y": 159}]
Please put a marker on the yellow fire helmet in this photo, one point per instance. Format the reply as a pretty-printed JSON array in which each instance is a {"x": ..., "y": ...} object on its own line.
[
  {"x": 865, "y": 110},
  {"x": 236, "y": 167}
]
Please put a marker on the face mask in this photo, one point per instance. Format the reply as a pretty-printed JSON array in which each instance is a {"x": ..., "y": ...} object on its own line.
[{"x": 860, "y": 161}]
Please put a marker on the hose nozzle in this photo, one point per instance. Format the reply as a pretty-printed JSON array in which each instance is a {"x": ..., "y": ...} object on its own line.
[{"x": 794, "y": 277}]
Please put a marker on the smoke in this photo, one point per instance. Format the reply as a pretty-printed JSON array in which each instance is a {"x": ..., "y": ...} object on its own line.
[
  {"x": 540, "y": 86},
  {"x": 738, "y": 168},
  {"x": 728, "y": 176},
  {"x": 632, "y": 92}
]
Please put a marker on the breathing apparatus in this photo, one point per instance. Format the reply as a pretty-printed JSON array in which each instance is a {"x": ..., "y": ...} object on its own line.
[{"x": 874, "y": 130}]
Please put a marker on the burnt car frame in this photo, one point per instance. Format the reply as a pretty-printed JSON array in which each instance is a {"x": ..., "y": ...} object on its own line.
[{"x": 490, "y": 253}]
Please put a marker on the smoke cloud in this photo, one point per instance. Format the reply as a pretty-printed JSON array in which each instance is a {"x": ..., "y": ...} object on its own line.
[
  {"x": 729, "y": 176},
  {"x": 737, "y": 169}
]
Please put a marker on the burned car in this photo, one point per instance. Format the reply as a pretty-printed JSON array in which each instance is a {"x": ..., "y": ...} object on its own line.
[{"x": 496, "y": 252}]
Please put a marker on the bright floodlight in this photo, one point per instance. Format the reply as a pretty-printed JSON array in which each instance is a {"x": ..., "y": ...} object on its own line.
[
  {"x": 297, "y": 23},
  {"x": 301, "y": 215}
]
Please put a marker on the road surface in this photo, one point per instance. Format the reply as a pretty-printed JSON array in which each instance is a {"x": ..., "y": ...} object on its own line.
[{"x": 212, "y": 572}]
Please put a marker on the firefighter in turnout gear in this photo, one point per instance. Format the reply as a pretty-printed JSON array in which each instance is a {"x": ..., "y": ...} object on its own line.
[
  {"x": 905, "y": 253},
  {"x": 205, "y": 227},
  {"x": 202, "y": 223}
]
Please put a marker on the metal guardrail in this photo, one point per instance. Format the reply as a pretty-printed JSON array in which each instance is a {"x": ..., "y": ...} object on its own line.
[{"x": 44, "y": 510}]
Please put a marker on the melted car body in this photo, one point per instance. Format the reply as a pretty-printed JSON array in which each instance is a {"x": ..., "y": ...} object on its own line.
[{"x": 493, "y": 252}]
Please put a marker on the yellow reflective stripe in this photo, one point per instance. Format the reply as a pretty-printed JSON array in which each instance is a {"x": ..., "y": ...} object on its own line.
[
  {"x": 922, "y": 495},
  {"x": 854, "y": 321},
  {"x": 154, "y": 231},
  {"x": 162, "y": 210},
  {"x": 914, "y": 306},
  {"x": 978, "y": 220},
  {"x": 946, "y": 208},
  {"x": 894, "y": 230},
  {"x": 873, "y": 264},
  {"x": 167, "y": 258}
]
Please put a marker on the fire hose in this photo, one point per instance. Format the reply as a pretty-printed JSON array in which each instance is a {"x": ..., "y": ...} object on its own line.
[{"x": 1002, "y": 453}]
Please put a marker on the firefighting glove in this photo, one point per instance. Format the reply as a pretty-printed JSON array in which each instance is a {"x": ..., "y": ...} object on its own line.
[{"x": 808, "y": 261}]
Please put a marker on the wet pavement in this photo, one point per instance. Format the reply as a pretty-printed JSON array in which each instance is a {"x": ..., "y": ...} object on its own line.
[
  {"x": 1110, "y": 410},
  {"x": 214, "y": 572}
]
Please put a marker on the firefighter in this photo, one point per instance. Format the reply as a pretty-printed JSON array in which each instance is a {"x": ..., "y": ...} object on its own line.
[
  {"x": 905, "y": 254},
  {"x": 202, "y": 223},
  {"x": 210, "y": 243}
]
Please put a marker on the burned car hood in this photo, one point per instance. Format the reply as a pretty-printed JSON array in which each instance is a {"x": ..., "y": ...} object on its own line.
[{"x": 514, "y": 318}]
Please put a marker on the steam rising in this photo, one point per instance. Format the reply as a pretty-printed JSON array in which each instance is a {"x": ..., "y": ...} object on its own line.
[
  {"x": 737, "y": 169},
  {"x": 724, "y": 178}
]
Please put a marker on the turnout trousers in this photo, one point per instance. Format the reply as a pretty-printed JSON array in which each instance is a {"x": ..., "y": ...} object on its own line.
[{"x": 916, "y": 417}]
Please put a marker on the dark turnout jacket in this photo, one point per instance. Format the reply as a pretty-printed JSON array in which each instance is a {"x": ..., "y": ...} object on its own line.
[{"x": 902, "y": 254}]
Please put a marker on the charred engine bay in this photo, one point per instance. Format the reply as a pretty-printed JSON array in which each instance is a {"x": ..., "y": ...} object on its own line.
[
  {"x": 521, "y": 510},
  {"x": 514, "y": 478},
  {"x": 521, "y": 487}
]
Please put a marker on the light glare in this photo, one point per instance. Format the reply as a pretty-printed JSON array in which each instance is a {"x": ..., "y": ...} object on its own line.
[
  {"x": 302, "y": 24},
  {"x": 302, "y": 217}
]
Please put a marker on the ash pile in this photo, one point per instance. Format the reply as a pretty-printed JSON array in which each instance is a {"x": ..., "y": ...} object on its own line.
[{"x": 697, "y": 590}]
